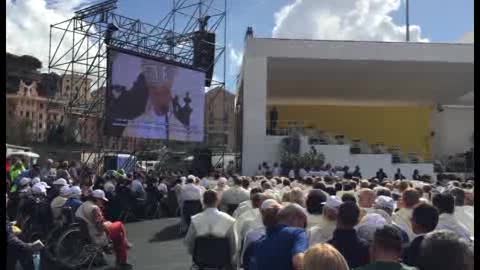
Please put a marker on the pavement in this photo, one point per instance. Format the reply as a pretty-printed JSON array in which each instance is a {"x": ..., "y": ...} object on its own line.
[{"x": 157, "y": 244}]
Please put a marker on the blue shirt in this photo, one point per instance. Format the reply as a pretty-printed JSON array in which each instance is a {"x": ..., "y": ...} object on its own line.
[
  {"x": 73, "y": 203},
  {"x": 275, "y": 250}
]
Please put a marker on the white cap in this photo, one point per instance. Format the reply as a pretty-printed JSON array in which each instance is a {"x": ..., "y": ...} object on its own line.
[
  {"x": 268, "y": 204},
  {"x": 75, "y": 191},
  {"x": 332, "y": 202},
  {"x": 25, "y": 181},
  {"x": 369, "y": 224},
  {"x": 39, "y": 189},
  {"x": 99, "y": 194},
  {"x": 385, "y": 202},
  {"x": 50, "y": 160},
  {"x": 45, "y": 185},
  {"x": 65, "y": 191},
  {"x": 35, "y": 180},
  {"x": 60, "y": 182},
  {"x": 191, "y": 176},
  {"x": 183, "y": 179}
]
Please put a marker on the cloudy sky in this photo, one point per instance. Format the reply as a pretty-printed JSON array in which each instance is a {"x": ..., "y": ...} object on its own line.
[{"x": 381, "y": 20}]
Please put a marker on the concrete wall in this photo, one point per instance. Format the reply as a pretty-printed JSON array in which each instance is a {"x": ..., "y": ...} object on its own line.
[
  {"x": 254, "y": 111},
  {"x": 453, "y": 130},
  {"x": 339, "y": 155}
]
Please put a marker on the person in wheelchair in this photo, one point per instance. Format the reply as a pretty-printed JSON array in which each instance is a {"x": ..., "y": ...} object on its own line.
[
  {"x": 101, "y": 230},
  {"x": 58, "y": 203},
  {"x": 35, "y": 216},
  {"x": 73, "y": 201},
  {"x": 211, "y": 222}
]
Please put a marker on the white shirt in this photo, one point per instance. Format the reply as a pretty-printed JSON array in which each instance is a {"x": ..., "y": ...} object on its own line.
[
  {"x": 465, "y": 216},
  {"x": 291, "y": 174},
  {"x": 136, "y": 186},
  {"x": 162, "y": 188},
  {"x": 191, "y": 192},
  {"x": 276, "y": 171},
  {"x": 313, "y": 220},
  {"x": 322, "y": 232},
  {"x": 242, "y": 208},
  {"x": 235, "y": 195},
  {"x": 149, "y": 125},
  {"x": 302, "y": 173},
  {"x": 211, "y": 222},
  {"x": 402, "y": 218},
  {"x": 249, "y": 220},
  {"x": 448, "y": 222}
]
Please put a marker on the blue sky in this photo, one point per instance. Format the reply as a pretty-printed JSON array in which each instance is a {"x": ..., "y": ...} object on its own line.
[
  {"x": 433, "y": 20},
  {"x": 439, "y": 20}
]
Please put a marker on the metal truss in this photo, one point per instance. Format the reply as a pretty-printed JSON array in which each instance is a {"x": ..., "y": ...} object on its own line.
[{"x": 78, "y": 50}]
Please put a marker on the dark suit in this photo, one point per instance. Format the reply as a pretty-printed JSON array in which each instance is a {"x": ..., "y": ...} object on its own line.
[{"x": 411, "y": 253}]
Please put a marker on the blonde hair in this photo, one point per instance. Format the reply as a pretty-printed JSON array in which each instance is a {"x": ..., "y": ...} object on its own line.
[{"x": 324, "y": 256}]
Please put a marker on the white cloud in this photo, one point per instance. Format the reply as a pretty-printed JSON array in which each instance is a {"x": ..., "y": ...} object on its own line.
[
  {"x": 342, "y": 20},
  {"x": 28, "y": 25},
  {"x": 467, "y": 38},
  {"x": 236, "y": 58}
]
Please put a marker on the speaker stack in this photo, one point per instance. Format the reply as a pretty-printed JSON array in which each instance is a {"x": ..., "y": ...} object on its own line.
[{"x": 204, "y": 53}]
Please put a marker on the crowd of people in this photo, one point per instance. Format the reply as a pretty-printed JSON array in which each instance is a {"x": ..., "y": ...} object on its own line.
[{"x": 269, "y": 221}]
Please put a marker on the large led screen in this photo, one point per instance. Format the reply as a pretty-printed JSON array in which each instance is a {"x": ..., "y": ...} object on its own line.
[{"x": 152, "y": 99}]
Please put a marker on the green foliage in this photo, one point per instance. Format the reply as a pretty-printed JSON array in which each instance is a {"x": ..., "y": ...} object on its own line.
[{"x": 291, "y": 160}]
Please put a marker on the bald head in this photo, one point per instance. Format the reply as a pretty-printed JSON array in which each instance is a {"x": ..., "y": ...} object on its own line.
[
  {"x": 366, "y": 198},
  {"x": 293, "y": 215}
]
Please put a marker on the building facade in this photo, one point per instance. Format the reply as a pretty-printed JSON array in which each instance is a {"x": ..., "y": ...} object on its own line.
[
  {"x": 220, "y": 119},
  {"x": 377, "y": 93},
  {"x": 27, "y": 104}
]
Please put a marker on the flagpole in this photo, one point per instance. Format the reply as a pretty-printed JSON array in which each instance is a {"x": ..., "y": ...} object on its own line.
[{"x": 407, "y": 20}]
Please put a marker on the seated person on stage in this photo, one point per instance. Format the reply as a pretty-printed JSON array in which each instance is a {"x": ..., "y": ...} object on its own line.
[
  {"x": 101, "y": 230},
  {"x": 211, "y": 222}
]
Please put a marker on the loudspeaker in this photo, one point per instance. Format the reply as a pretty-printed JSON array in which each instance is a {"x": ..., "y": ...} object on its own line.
[
  {"x": 204, "y": 53},
  {"x": 202, "y": 161}
]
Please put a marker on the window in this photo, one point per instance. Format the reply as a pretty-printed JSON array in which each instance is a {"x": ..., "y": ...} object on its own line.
[
  {"x": 40, "y": 126},
  {"x": 40, "y": 116},
  {"x": 27, "y": 114},
  {"x": 21, "y": 113},
  {"x": 41, "y": 107},
  {"x": 61, "y": 118},
  {"x": 55, "y": 117}
]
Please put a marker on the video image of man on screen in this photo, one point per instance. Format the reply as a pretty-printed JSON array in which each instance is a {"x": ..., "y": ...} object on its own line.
[
  {"x": 154, "y": 122},
  {"x": 152, "y": 99}
]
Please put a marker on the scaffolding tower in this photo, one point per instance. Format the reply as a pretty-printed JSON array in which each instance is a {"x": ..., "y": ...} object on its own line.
[{"x": 78, "y": 53}]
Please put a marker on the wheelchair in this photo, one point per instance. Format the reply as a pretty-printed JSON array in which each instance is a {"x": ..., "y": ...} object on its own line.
[
  {"x": 211, "y": 253},
  {"x": 71, "y": 246}
]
